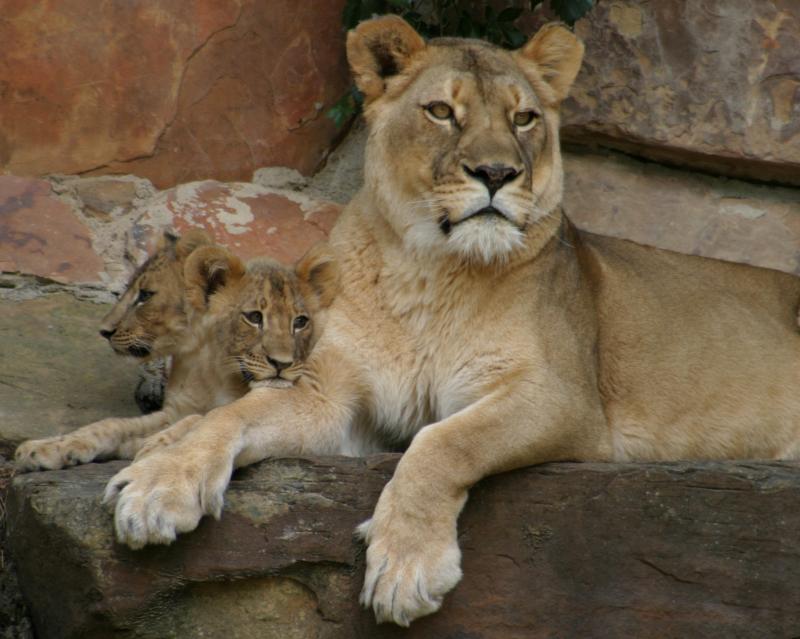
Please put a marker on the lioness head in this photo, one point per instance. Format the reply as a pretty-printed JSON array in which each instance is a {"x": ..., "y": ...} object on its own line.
[
  {"x": 464, "y": 150},
  {"x": 150, "y": 316},
  {"x": 266, "y": 317}
]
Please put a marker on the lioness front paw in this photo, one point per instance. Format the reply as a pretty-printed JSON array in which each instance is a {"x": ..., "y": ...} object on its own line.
[
  {"x": 164, "y": 494},
  {"x": 52, "y": 453},
  {"x": 409, "y": 569}
]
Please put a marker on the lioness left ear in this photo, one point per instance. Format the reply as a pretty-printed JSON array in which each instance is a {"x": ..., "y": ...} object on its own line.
[
  {"x": 557, "y": 54},
  {"x": 318, "y": 273},
  {"x": 207, "y": 270},
  {"x": 380, "y": 48}
]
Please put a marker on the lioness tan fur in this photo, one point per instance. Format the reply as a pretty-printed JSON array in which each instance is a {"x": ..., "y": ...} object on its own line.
[
  {"x": 226, "y": 328},
  {"x": 475, "y": 321}
]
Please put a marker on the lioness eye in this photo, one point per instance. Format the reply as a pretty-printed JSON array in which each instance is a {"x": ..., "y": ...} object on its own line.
[
  {"x": 144, "y": 296},
  {"x": 300, "y": 322},
  {"x": 524, "y": 118},
  {"x": 254, "y": 317},
  {"x": 439, "y": 110}
]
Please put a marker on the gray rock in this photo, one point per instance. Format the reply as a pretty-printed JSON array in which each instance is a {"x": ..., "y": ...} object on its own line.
[{"x": 559, "y": 550}]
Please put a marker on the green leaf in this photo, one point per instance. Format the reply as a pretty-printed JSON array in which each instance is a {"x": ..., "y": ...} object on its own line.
[
  {"x": 509, "y": 14},
  {"x": 571, "y": 10}
]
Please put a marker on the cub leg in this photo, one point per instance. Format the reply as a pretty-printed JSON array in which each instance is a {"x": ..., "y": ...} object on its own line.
[
  {"x": 100, "y": 440},
  {"x": 163, "y": 437}
]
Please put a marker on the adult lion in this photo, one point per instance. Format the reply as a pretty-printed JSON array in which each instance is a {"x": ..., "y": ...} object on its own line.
[{"x": 476, "y": 320}]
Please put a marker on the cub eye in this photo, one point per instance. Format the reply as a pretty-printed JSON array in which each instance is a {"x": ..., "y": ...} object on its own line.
[
  {"x": 253, "y": 317},
  {"x": 524, "y": 119},
  {"x": 144, "y": 295},
  {"x": 439, "y": 110},
  {"x": 300, "y": 322}
]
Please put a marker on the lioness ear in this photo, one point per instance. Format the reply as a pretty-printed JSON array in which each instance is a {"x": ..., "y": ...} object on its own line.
[
  {"x": 318, "y": 273},
  {"x": 380, "y": 48},
  {"x": 208, "y": 269},
  {"x": 189, "y": 241},
  {"x": 557, "y": 54}
]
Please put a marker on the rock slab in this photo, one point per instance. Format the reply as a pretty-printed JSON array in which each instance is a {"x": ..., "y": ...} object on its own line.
[
  {"x": 713, "y": 84},
  {"x": 560, "y": 550}
]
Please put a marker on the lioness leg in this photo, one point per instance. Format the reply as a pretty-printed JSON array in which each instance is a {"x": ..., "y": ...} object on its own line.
[
  {"x": 107, "y": 438},
  {"x": 413, "y": 558},
  {"x": 169, "y": 490}
]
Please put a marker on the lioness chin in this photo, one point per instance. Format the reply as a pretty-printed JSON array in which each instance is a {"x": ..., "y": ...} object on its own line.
[{"x": 477, "y": 323}]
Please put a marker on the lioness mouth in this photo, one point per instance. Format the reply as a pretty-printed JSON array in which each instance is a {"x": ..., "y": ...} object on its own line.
[{"x": 447, "y": 225}]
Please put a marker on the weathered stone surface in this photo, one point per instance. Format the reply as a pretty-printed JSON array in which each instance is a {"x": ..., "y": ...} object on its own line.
[
  {"x": 561, "y": 550},
  {"x": 41, "y": 235},
  {"x": 250, "y": 219},
  {"x": 714, "y": 84},
  {"x": 171, "y": 91},
  {"x": 689, "y": 213},
  {"x": 56, "y": 372}
]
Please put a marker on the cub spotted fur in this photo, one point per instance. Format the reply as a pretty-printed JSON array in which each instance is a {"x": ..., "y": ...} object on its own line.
[
  {"x": 225, "y": 326},
  {"x": 476, "y": 320}
]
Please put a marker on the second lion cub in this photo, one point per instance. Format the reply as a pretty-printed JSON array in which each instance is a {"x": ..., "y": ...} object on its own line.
[{"x": 242, "y": 326}]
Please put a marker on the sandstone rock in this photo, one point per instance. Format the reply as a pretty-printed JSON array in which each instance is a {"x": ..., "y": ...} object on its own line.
[
  {"x": 713, "y": 84},
  {"x": 171, "y": 91},
  {"x": 689, "y": 213},
  {"x": 250, "y": 219},
  {"x": 56, "y": 372},
  {"x": 560, "y": 550},
  {"x": 41, "y": 235}
]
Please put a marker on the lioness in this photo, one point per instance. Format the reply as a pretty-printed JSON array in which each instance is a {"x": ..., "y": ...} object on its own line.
[
  {"x": 474, "y": 318},
  {"x": 226, "y": 327}
]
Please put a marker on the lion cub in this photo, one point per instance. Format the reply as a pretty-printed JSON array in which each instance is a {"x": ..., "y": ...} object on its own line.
[{"x": 226, "y": 326}]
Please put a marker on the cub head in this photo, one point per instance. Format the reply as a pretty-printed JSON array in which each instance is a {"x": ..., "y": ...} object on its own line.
[
  {"x": 150, "y": 317},
  {"x": 463, "y": 153},
  {"x": 268, "y": 317}
]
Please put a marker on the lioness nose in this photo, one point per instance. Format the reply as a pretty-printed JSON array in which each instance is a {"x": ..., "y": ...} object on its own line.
[
  {"x": 493, "y": 176},
  {"x": 279, "y": 366},
  {"x": 107, "y": 333}
]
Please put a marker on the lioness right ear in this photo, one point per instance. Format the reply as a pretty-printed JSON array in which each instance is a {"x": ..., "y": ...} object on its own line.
[
  {"x": 556, "y": 54},
  {"x": 318, "y": 273},
  {"x": 380, "y": 48},
  {"x": 207, "y": 270}
]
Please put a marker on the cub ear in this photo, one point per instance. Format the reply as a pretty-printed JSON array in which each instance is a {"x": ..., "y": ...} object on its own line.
[
  {"x": 189, "y": 241},
  {"x": 557, "y": 54},
  {"x": 380, "y": 48},
  {"x": 318, "y": 273},
  {"x": 207, "y": 270}
]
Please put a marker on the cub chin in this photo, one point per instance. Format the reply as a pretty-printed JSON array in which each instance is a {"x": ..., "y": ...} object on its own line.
[{"x": 225, "y": 326}]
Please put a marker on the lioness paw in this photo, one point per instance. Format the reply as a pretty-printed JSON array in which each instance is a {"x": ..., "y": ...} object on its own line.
[
  {"x": 408, "y": 571},
  {"x": 162, "y": 495}
]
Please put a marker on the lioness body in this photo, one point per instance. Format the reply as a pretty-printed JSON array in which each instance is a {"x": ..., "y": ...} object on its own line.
[{"x": 476, "y": 323}]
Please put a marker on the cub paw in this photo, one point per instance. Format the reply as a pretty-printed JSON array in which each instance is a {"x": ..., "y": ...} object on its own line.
[{"x": 52, "y": 453}]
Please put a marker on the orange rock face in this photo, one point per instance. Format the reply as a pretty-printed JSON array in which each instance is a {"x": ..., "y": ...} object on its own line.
[
  {"x": 171, "y": 91},
  {"x": 41, "y": 235}
]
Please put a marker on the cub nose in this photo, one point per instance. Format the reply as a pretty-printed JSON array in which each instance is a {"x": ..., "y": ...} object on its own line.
[
  {"x": 493, "y": 176},
  {"x": 107, "y": 333},
  {"x": 278, "y": 365}
]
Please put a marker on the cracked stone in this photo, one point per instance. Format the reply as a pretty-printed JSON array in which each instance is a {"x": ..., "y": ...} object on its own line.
[
  {"x": 712, "y": 84},
  {"x": 250, "y": 219},
  {"x": 170, "y": 91},
  {"x": 41, "y": 235}
]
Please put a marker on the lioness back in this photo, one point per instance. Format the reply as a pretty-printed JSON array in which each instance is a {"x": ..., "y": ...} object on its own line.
[{"x": 682, "y": 340}]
